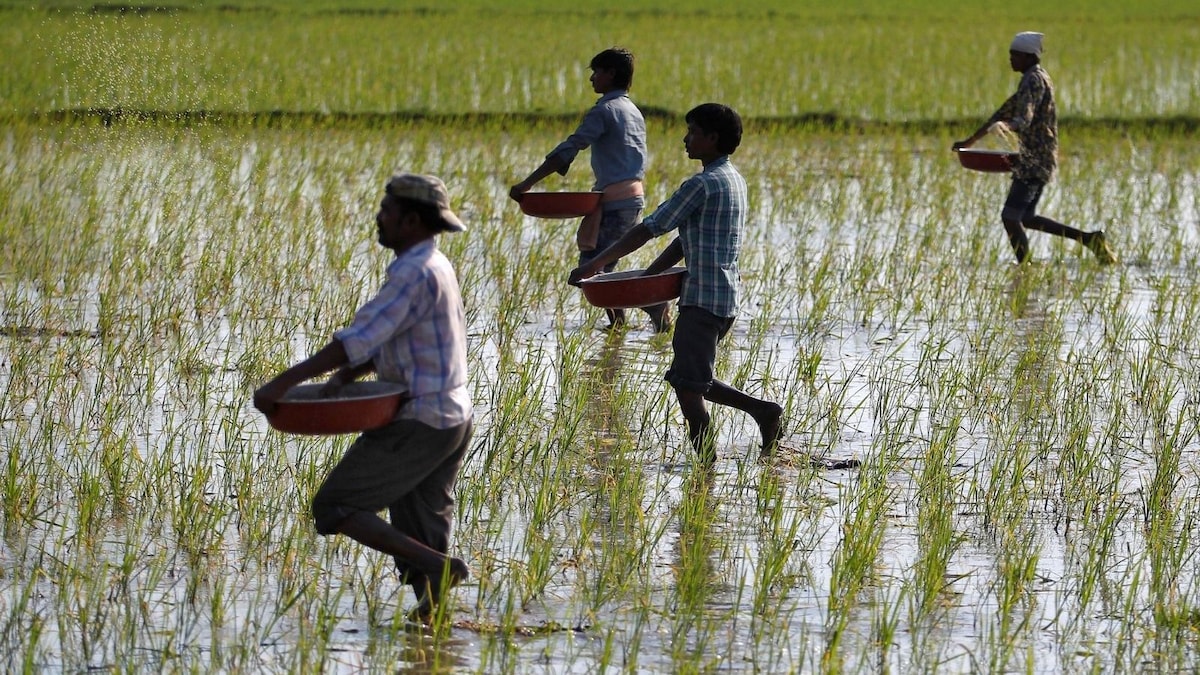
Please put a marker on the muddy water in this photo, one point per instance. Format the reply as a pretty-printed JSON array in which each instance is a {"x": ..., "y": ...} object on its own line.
[
  {"x": 795, "y": 635},
  {"x": 881, "y": 334}
]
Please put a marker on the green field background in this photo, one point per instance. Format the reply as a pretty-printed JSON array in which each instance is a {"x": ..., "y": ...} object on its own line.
[{"x": 857, "y": 61}]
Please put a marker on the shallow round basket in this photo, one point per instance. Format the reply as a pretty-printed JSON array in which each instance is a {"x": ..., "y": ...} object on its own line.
[
  {"x": 991, "y": 161},
  {"x": 358, "y": 406},
  {"x": 559, "y": 204},
  {"x": 620, "y": 290}
]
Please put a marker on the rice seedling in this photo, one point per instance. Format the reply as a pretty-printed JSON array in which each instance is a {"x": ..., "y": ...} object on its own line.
[{"x": 1027, "y": 494}]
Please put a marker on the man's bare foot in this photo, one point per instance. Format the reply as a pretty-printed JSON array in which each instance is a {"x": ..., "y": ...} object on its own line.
[
  {"x": 430, "y": 592},
  {"x": 770, "y": 424},
  {"x": 833, "y": 464}
]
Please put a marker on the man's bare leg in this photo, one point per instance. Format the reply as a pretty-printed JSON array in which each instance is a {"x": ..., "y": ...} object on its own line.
[
  {"x": 767, "y": 414},
  {"x": 437, "y": 571}
]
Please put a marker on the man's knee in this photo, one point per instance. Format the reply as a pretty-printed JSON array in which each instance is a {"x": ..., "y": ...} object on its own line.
[
  {"x": 1011, "y": 215},
  {"x": 327, "y": 516},
  {"x": 691, "y": 403}
]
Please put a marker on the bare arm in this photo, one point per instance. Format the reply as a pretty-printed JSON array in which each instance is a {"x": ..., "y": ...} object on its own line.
[
  {"x": 635, "y": 238},
  {"x": 670, "y": 255},
  {"x": 979, "y": 133},
  {"x": 1005, "y": 111},
  {"x": 344, "y": 375},
  {"x": 332, "y": 355},
  {"x": 553, "y": 164},
  {"x": 970, "y": 140}
]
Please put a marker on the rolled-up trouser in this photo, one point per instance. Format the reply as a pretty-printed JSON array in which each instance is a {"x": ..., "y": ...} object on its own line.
[
  {"x": 407, "y": 467},
  {"x": 697, "y": 332}
]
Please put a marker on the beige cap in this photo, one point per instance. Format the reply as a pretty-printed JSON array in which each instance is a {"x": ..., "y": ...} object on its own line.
[
  {"x": 1027, "y": 43},
  {"x": 427, "y": 190}
]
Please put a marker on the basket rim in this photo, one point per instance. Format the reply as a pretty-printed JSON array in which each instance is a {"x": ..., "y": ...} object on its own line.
[{"x": 364, "y": 390}]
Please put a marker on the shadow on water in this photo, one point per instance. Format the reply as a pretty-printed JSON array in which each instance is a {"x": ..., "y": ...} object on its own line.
[
  {"x": 1036, "y": 342},
  {"x": 606, "y": 415}
]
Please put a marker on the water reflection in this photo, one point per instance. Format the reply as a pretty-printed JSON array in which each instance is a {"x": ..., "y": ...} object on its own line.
[
  {"x": 695, "y": 576},
  {"x": 1037, "y": 337},
  {"x": 415, "y": 649},
  {"x": 604, "y": 412}
]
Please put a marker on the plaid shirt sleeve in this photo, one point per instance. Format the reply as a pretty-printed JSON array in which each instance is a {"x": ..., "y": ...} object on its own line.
[
  {"x": 680, "y": 206},
  {"x": 709, "y": 211},
  {"x": 391, "y": 312},
  {"x": 414, "y": 330}
]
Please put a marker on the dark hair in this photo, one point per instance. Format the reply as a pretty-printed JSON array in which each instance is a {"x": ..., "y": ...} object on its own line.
[
  {"x": 715, "y": 118},
  {"x": 618, "y": 60}
]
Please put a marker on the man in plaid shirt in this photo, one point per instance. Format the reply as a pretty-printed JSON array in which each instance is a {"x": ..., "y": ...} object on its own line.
[
  {"x": 413, "y": 332},
  {"x": 708, "y": 211}
]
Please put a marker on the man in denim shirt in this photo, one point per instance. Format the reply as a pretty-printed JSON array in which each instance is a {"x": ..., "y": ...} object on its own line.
[
  {"x": 616, "y": 132},
  {"x": 1031, "y": 113}
]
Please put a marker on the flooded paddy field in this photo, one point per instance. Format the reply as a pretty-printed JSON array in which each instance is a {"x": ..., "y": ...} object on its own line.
[{"x": 1028, "y": 436}]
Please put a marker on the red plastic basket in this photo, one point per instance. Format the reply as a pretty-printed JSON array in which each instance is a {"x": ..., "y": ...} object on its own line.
[
  {"x": 633, "y": 288},
  {"x": 991, "y": 161},
  {"x": 559, "y": 204},
  {"x": 358, "y": 406}
]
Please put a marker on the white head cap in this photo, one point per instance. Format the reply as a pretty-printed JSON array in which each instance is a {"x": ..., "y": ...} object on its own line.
[{"x": 1028, "y": 43}]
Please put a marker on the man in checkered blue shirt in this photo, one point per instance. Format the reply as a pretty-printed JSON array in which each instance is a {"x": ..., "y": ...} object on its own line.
[{"x": 708, "y": 211}]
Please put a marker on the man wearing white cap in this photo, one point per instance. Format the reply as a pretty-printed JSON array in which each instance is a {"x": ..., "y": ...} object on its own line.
[
  {"x": 1031, "y": 114},
  {"x": 413, "y": 333}
]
